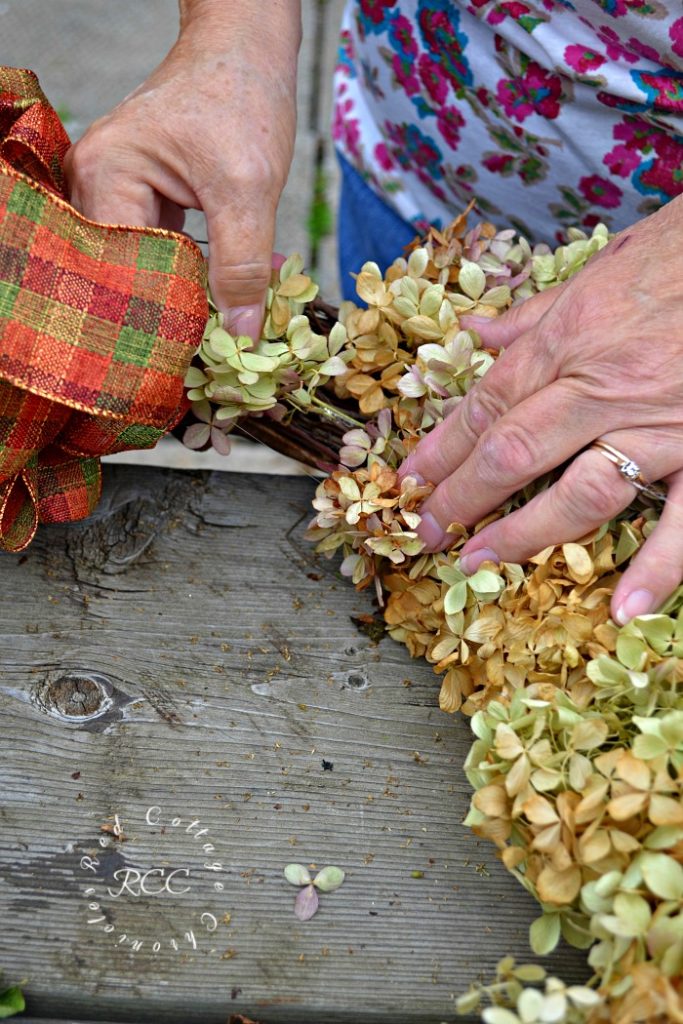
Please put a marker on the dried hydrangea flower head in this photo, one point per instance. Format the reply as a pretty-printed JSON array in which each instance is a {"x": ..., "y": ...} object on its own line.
[{"x": 283, "y": 371}]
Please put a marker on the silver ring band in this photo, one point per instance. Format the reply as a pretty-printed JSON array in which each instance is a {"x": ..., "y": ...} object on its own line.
[{"x": 630, "y": 470}]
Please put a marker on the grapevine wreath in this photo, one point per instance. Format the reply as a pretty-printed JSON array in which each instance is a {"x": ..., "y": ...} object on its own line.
[{"x": 577, "y": 764}]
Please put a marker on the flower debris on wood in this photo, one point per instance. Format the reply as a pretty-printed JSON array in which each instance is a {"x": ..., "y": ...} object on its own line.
[
  {"x": 577, "y": 764},
  {"x": 307, "y": 901}
]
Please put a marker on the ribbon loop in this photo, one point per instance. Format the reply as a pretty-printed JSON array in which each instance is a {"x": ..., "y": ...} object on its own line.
[
  {"x": 98, "y": 324},
  {"x": 32, "y": 138}
]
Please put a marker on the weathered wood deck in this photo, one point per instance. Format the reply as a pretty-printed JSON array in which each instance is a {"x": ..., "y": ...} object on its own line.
[{"x": 183, "y": 665}]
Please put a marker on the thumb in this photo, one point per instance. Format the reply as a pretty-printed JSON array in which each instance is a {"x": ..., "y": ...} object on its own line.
[
  {"x": 240, "y": 255},
  {"x": 501, "y": 331}
]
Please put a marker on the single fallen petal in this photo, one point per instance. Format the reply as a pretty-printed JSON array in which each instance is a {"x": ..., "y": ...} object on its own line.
[
  {"x": 220, "y": 441},
  {"x": 197, "y": 435},
  {"x": 297, "y": 874},
  {"x": 306, "y": 903},
  {"x": 329, "y": 879}
]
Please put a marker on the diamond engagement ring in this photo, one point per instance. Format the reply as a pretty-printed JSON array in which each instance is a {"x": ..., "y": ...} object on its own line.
[{"x": 630, "y": 470}]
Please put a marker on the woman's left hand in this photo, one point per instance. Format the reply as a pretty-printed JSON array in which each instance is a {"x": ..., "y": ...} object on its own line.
[{"x": 600, "y": 357}]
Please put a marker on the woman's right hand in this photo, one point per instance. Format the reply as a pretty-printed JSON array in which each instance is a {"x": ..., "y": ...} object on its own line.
[{"x": 213, "y": 129}]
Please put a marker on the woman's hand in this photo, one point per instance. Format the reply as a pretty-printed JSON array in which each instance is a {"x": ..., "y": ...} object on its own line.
[
  {"x": 212, "y": 128},
  {"x": 598, "y": 357}
]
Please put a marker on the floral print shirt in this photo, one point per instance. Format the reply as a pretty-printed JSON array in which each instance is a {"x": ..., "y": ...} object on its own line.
[{"x": 549, "y": 113}]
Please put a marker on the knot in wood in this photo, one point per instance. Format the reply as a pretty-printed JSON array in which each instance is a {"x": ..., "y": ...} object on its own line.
[{"x": 75, "y": 695}]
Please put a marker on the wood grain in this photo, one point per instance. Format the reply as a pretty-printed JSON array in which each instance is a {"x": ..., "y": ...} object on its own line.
[{"x": 185, "y": 650}]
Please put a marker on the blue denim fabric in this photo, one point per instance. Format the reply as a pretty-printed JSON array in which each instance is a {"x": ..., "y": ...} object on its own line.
[{"x": 368, "y": 229}]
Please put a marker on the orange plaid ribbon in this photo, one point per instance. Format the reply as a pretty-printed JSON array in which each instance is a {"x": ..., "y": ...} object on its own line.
[{"x": 98, "y": 324}]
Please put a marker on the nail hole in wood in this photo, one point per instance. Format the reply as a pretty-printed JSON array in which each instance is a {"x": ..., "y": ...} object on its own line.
[{"x": 357, "y": 681}]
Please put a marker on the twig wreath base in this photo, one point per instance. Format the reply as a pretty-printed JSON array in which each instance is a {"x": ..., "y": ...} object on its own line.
[{"x": 577, "y": 764}]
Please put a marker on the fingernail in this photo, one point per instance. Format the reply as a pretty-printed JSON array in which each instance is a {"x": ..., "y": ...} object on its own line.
[
  {"x": 638, "y": 602},
  {"x": 470, "y": 563},
  {"x": 405, "y": 470},
  {"x": 245, "y": 320},
  {"x": 430, "y": 532},
  {"x": 417, "y": 477}
]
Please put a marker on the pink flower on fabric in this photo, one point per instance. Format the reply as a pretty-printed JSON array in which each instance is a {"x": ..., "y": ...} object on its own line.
[
  {"x": 346, "y": 129},
  {"x": 439, "y": 27},
  {"x": 375, "y": 10},
  {"x": 513, "y": 9},
  {"x": 384, "y": 157},
  {"x": 653, "y": 158},
  {"x": 643, "y": 50},
  {"x": 513, "y": 100},
  {"x": 412, "y": 149},
  {"x": 614, "y": 46},
  {"x": 499, "y": 163},
  {"x": 537, "y": 90},
  {"x": 633, "y": 131},
  {"x": 401, "y": 35},
  {"x": 622, "y": 160},
  {"x": 438, "y": 24},
  {"x": 449, "y": 122},
  {"x": 405, "y": 74},
  {"x": 582, "y": 59},
  {"x": 600, "y": 191},
  {"x": 663, "y": 90},
  {"x": 676, "y": 36},
  {"x": 433, "y": 78},
  {"x": 664, "y": 174}
]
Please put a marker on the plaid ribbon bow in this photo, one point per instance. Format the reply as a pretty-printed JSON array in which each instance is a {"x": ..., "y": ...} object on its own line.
[{"x": 98, "y": 324}]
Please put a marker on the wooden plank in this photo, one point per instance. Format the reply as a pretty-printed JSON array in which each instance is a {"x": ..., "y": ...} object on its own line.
[
  {"x": 245, "y": 456},
  {"x": 232, "y": 1019},
  {"x": 184, "y": 650}
]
